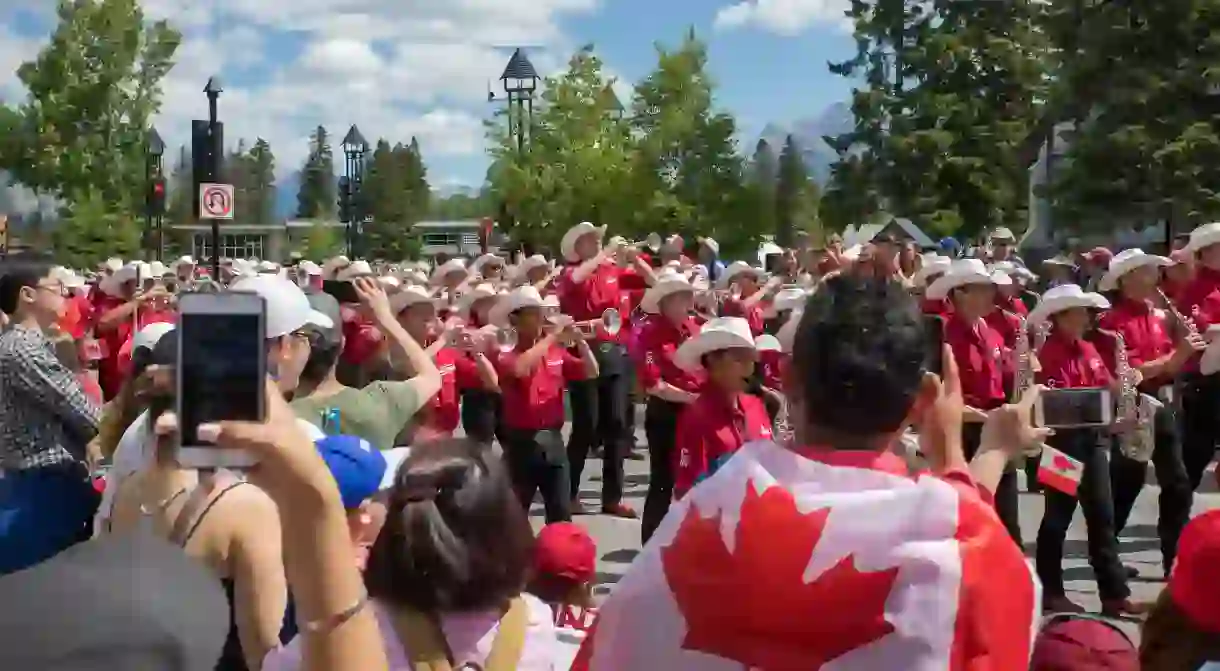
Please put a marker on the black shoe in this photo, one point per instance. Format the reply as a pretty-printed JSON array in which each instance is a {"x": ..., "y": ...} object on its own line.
[{"x": 1131, "y": 571}]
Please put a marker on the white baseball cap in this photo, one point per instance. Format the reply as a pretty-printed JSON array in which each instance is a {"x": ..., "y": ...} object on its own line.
[{"x": 288, "y": 308}]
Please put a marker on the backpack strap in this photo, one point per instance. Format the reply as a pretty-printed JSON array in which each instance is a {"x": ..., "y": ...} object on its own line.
[{"x": 427, "y": 650}]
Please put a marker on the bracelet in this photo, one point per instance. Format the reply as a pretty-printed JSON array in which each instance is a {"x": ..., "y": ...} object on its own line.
[{"x": 330, "y": 623}]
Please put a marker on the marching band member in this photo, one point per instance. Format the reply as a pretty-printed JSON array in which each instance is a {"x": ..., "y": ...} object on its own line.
[
  {"x": 489, "y": 267},
  {"x": 777, "y": 312},
  {"x": 1059, "y": 270},
  {"x": 481, "y": 402},
  {"x": 448, "y": 279},
  {"x": 535, "y": 271},
  {"x": 669, "y": 388},
  {"x": 745, "y": 282},
  {"x": 1010, "y": 296},
  {"x": 932, "y": 267},
  {"x": 1199, "y": 304},
  {"x": 979, "y": 352},
  {"x": 1069, "y": 361},
  {"x": 1151, "y": 351},
  {"x": 723, "y": 417},
  {"x": 587, "y": 287},
  {"x": 1178, "y": 274},
  {"x": 531, "y": 378}
]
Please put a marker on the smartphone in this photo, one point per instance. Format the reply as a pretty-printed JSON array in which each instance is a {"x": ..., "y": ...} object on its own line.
[
  {"x": 1074, "y": 408},
  {"x": 221, "y": 371},
  {"x": 343, "y": 290},
  {"x": 934, "y": 344}
]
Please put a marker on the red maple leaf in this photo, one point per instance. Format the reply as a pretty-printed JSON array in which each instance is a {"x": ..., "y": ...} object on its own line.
[
  {"x": 753, "y": 605},
  {"x": 1062, "y": 463}
]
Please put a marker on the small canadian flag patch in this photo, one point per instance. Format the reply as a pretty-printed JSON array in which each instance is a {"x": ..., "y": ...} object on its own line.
[{"x": 1059, "y": 471}]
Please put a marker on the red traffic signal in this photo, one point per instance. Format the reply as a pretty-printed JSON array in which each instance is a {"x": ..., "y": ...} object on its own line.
[{"x": 156, "y": 197}]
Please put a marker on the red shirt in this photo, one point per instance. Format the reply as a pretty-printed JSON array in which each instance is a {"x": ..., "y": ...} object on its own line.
[
  {"x": 458, "y": 372},
  {"x": 535, "y": 402},
  {"x": 1070, "y": 363},
  {"x": 710, "y": 430},
  {"x": 77, "y": 316},
  {"x": 941, "y": 308},
  {"x": 754, "y": 315},
  {"x": 771, "y": 364},
  {"x": 1011, "y": 304},
  {"x": 1199, "y": 301},
  {"x": 659, "y": 340},
  {"x": 1144, "y": 330},
  {"x": 587, "y": 300},
  {"x": 361, "y": 338},
  {"x": 633, "y": 286},
  {"x": 979, "y": 352}
]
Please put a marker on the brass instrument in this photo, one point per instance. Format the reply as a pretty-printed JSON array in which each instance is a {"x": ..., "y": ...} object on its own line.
[
  {"x": 1023, "y": 351},
  {"x": 1133, "y": 408},
  {"x": 611, "y": 322},
  {"x": 652, "y": 242}
]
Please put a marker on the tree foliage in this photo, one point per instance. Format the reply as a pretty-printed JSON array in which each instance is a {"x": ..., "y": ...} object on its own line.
[
  {"x": 79, "y": 135},
  {"x": 90, "y": 231},
  {"x": 395, "y": 194},
  {"x": 316, "y": 198}
]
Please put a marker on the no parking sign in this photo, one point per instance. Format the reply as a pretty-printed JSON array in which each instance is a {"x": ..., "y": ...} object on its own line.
[{"x": 215, "y": 201}]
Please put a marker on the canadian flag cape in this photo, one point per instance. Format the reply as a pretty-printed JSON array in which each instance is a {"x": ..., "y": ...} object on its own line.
[{"x": 780, "y": 562}]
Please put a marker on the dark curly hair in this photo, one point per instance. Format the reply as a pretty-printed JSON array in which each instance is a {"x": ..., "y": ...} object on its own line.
[
  {"x": 858, "y": 357},
  {"x": 455, "y": 538}
]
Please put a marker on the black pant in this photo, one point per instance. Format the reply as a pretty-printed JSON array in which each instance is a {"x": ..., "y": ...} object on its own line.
[
  {"x": 1093, "y": 495},
  {"x": 536, "y": 462},
  {"x": 1007, "y": 498},
  {"x": 1128, "y": 476},
  {"x": 661, "y": 429},
  {"x": 1200, "y": 424},
  {"x": 599, "y": 415},
  {"x": 481, "y": 414}
]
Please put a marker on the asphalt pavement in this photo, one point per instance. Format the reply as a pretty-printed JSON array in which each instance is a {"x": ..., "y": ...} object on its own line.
[{"x": 618, "y": 540}]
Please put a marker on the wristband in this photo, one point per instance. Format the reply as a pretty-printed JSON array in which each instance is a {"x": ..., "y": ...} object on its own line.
[{"x": 333, "y": 622}]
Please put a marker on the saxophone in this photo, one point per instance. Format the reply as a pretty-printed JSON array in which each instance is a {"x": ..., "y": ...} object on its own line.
[
  {"x": 1024, "y": 378},
  {"x": 1133, "y": 408}
]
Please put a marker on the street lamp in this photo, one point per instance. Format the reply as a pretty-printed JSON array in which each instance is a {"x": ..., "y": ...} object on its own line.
[
  {"x": 520, "y": 81},
  {"x": 351, "y": 211},
  {"x": 154, "y": 183}
]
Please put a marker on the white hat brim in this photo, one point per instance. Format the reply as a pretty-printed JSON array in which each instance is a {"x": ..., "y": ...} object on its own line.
[
  {"x": 1109, "y": 281},
  {"x": 508, "y": 305},
  {"x": 1049, "y": 308},
  {"x": 947, "y": 282},
  {"x": 651, "y": 302},
  {"x": 690, "y": 354},
  {"x": 567, "y": 246}
]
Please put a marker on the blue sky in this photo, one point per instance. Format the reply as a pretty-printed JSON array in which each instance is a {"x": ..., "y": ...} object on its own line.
[{"x": 419, "y": 67}]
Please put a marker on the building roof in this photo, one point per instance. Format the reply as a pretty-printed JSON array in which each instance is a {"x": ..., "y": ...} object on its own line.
[{"x": 854, "y": 235}]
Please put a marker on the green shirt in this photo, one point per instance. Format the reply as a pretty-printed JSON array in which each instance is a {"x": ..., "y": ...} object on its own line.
[{"x": 376, "y": 413}]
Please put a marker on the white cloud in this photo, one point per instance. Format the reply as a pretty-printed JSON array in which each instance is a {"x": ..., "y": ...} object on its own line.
[
  {"x": 396, "y": 68},
  {"x": 783, "y": 17}
]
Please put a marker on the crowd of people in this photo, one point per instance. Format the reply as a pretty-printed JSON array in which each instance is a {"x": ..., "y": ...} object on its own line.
[{"x": 833, "y": 442}]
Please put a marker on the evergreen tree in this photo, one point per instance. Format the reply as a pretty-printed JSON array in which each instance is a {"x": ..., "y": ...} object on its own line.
[
  {"x": 762, "y": 176},
  {"x": 316, "y": 198},
  {"x": 792, "y": 187},
  {"x": 260, "y": 163}
]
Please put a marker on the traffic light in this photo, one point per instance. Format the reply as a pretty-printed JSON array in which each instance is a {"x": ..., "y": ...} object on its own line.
[
  {"x": 156, "y": 197},
  {"x": 345, "y": 200}
]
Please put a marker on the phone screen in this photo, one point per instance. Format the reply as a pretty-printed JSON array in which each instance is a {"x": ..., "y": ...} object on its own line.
[
  {"x": 934, "y": 344},
  {"x": 220, "y": 370},
  {"x": 1075, "y": 407},
  {"x": 342, "y": 290}
]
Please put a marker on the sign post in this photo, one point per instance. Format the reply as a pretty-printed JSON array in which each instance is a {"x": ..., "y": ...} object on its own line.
[{"x": 215, "y": 204}]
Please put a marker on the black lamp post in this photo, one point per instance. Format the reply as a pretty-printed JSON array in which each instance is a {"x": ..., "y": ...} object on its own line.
[
  {"x": 211, "y": 162},
  {"x": 154, "y": 149},
  {"x": 520, "y": 82},
  {"x": 354, "y": 149}
]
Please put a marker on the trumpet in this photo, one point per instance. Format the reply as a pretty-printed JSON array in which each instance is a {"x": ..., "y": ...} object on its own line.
[
  {"x": 470, "y": 339},
  {"x": 611, "y": 322},
  {"x": 652, "y": 241}
]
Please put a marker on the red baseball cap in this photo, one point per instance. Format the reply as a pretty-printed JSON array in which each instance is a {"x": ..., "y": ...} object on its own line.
[
  {"x": 1099, "y": 255},
  {"x": 1192, "y": 585},
  {"x": 1083, "y": 643},
  {"x": 565, "y": 550}
]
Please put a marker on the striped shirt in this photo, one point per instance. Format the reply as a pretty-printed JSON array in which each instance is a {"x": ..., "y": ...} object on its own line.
[{"x": 45, "y": 416}]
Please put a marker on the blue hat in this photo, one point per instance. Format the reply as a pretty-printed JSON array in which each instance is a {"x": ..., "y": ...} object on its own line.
[
  {"x": 357, "y": 468},
  {"x": 947, "y": 244}
]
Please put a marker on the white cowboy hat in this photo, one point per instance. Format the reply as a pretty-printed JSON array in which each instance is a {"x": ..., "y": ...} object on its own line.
[
  {"x": 961, "y": 273},
  {"x": 710, "y": 244},
  {"x": 389, "y": 281},
  {"x": 787, "y": 299},
  {"x": 717, "y": 334},
  {"x": 450, "y": 266},
  {"x": 111, "y": 284},
  {"x": 113, "y": 264},
  {"x": 1125, "y": 262},
  {"x": 1065, "y": 297},
  {"x": 567, "y": 246},
  {"x": 931, "y": 267},
  {"x": 157, "y": 269},
  {"x": 667, "y": 283},
  {"x": 187, "y": 260},
  {"x": 310, "y": 268},
  {"x": 527, "y": 264},
  {"x": 767, "y": 343},
  {"x": 472, "y": 296},
  {"x": 1209, "y": 363},
  {"x": 521, "y": 297},
  {"x": 787, "y": 333},
  {"x": 1013, "y": 270},
  {"x": 1003, "y": 233},
  {"x": 67, "y": 277},
  {"x": 738, "y": 268},
  {"x": 409, "y": 296},
  {"x": 483, "y": 260},
  {"x": 1203, "y": 236},
  {"x": 1061, "y": 261},
  {"x": 360, "y": 268}
]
